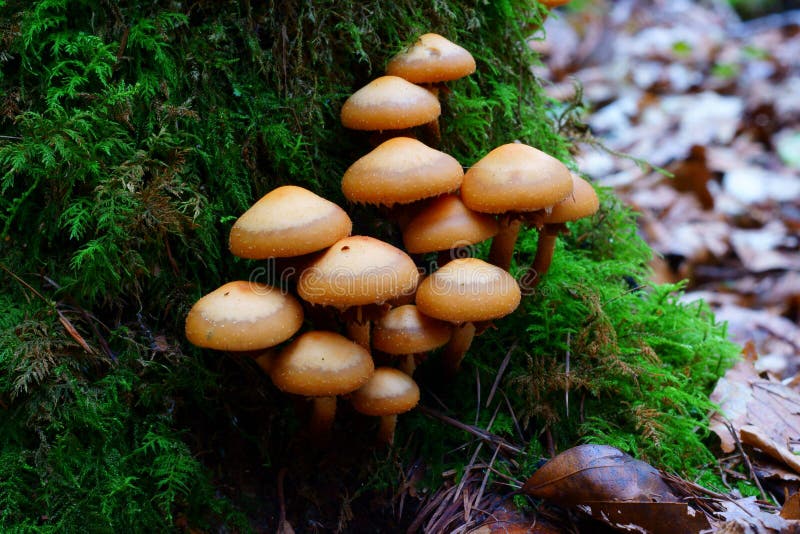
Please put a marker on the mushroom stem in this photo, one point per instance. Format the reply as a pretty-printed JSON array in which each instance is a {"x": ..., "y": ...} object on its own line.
[
  {"x": 386, "y": 429},
  {"x": 358, "y": 330},
  {"x": 322, "y": 416},
  {"x": 503, "y": 243},
  {"x": 408, "y": 364},
  {"x": 545, "y": 246},
  {"x": 457, "y": 347}
]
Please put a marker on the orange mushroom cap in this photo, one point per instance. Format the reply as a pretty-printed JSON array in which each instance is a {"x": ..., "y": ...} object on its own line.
[
  {"x": 321, "y": 364},
  {"x": 358, "y": 270},
  {"x": 581, "y": 203},
  {"x": 446, "y": 223},
  {"x": 515, "y": 177},
  {"x": 468, "y": 290},
  {"x": 401, "y": 170},
  {"x": 406, "y": 330},
  {"x": 432, "y": 58},
  {"x": 388, "y": 392},
  {"x": 389, "y": 103},
  {"x": 242, "y": 315},
  {"x": 288, "y": 221}
]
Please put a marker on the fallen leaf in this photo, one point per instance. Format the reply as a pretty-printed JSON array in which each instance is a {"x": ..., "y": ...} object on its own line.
[
  {"x": 614, "y": 487},
  {"x": 765, "y": 414},
  {"x": 591, "y": 473},
  {"x": 655, "y": 518},
  {"x": 745, "y": 516},
  {"x": 758, "y": 438},
  {"x": 791, "y": 507}
]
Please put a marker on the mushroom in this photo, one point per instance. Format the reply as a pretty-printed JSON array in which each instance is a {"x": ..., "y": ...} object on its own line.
[
  {"x": 389, "y": 103},
  {"x": 583, "y": 202},
  {"x": 388, "y": 393},
  {"x": 430, "y": 61},
  {"x": 401, "y": 170},
  {"x": 321, "y": 365},
  {"x": 405, "y": 331},
  {"x": 243, "y": 316},
  {"x": 518, "y": 181},
  {"x": 288, "y": 221},
  {"x": 432, "y": 58},
  {"x": 445, "y": 225},
  {"x": 464, "y": 291},
  {"x": 355, "y": 272}
]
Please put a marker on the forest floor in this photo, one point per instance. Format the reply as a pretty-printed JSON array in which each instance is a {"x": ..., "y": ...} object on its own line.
[{"x": 711, "y": 104}]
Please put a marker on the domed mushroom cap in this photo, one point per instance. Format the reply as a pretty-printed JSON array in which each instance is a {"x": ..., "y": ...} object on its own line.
[
  {"x": 515, "y": 177},
  {"x": 288, "y": 221},
  {"x": 321, "y": 364},
  {"x": 432, "y": 58},
  {"x": 406, "y": 330},
  {"x": 446, "y": 223},
  {"x": 358, "y": 270},
  {"x": 467, "y": 290},
  {"x": 581, "y": 203},
  {"x": 401, "y": 170},
  {"x": 554, "y": 3},
  {"x": 389, "y": 103},
  {"x": 243, "y": 315},
  {"x": 389, "y": 392}
]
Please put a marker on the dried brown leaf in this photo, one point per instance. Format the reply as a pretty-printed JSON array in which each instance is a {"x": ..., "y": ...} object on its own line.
[
  {"x": 591, "y": 473},
  {"x": 791, "y": 507},
  {"x": 655, "y": 518}
]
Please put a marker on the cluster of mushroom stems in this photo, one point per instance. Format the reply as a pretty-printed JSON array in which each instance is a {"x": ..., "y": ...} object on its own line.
[{"x": 384, "y": 303}]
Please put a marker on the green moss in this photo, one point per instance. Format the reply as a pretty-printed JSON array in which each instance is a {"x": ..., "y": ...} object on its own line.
[{"x": 133, "y": 135}]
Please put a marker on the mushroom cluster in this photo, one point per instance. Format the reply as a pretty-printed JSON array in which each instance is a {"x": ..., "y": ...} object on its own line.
[{"x": 379, "y": 302}]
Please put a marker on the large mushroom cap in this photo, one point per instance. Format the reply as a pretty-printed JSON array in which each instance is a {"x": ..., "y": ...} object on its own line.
[
  {"x": 405, "y": 330},
  {"x": 288, "y": 221},
  {"x": 243, "y": 315},
  {"x": 515, "y": 177},
  {"x": 446, "y": 223},
  {"x": 358, "y": 270},
  {"x": 432, "y": 58},
  {"x": 389, "y": 103},
  {"x": 388, "y": 392},
  {"x": 581, "y": 203},
  {"x": 401, "y": 170},
  {"x": 321, "y": 364},
  {"x": 468, "y": 290}
]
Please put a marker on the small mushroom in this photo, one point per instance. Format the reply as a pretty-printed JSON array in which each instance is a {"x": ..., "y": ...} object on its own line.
[
  {"x": 288, "y": 221},
  {"x": 243, "y": 316},
  {"x": 405, "y": 331},
  {"x": 431, "y": 61},
  {"x": 519, "y": 182},
  {"x": 583, "y": 202},
  {"x": 388, "y": 393},
  {"x": 389, "y": 103},
  {"x": 462, "y": 292},
  {"x": 432, "y": 58},
  {"x": 446, "y": 225},
  {"x": 401, "y": 170},
  {"x": 355, "y": 272},
  {"x": 321, "y": 365}
]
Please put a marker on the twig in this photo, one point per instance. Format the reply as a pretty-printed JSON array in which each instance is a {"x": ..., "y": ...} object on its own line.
[
  {"x": 485, "y": 479},
  {"x": 500, "y": 371},
  {"x": 746, "y": 459},
  {"x": 482, "y": 434}
]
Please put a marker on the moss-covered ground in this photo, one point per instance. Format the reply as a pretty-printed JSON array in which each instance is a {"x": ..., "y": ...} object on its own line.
[{"x": 133, "y": 134}]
